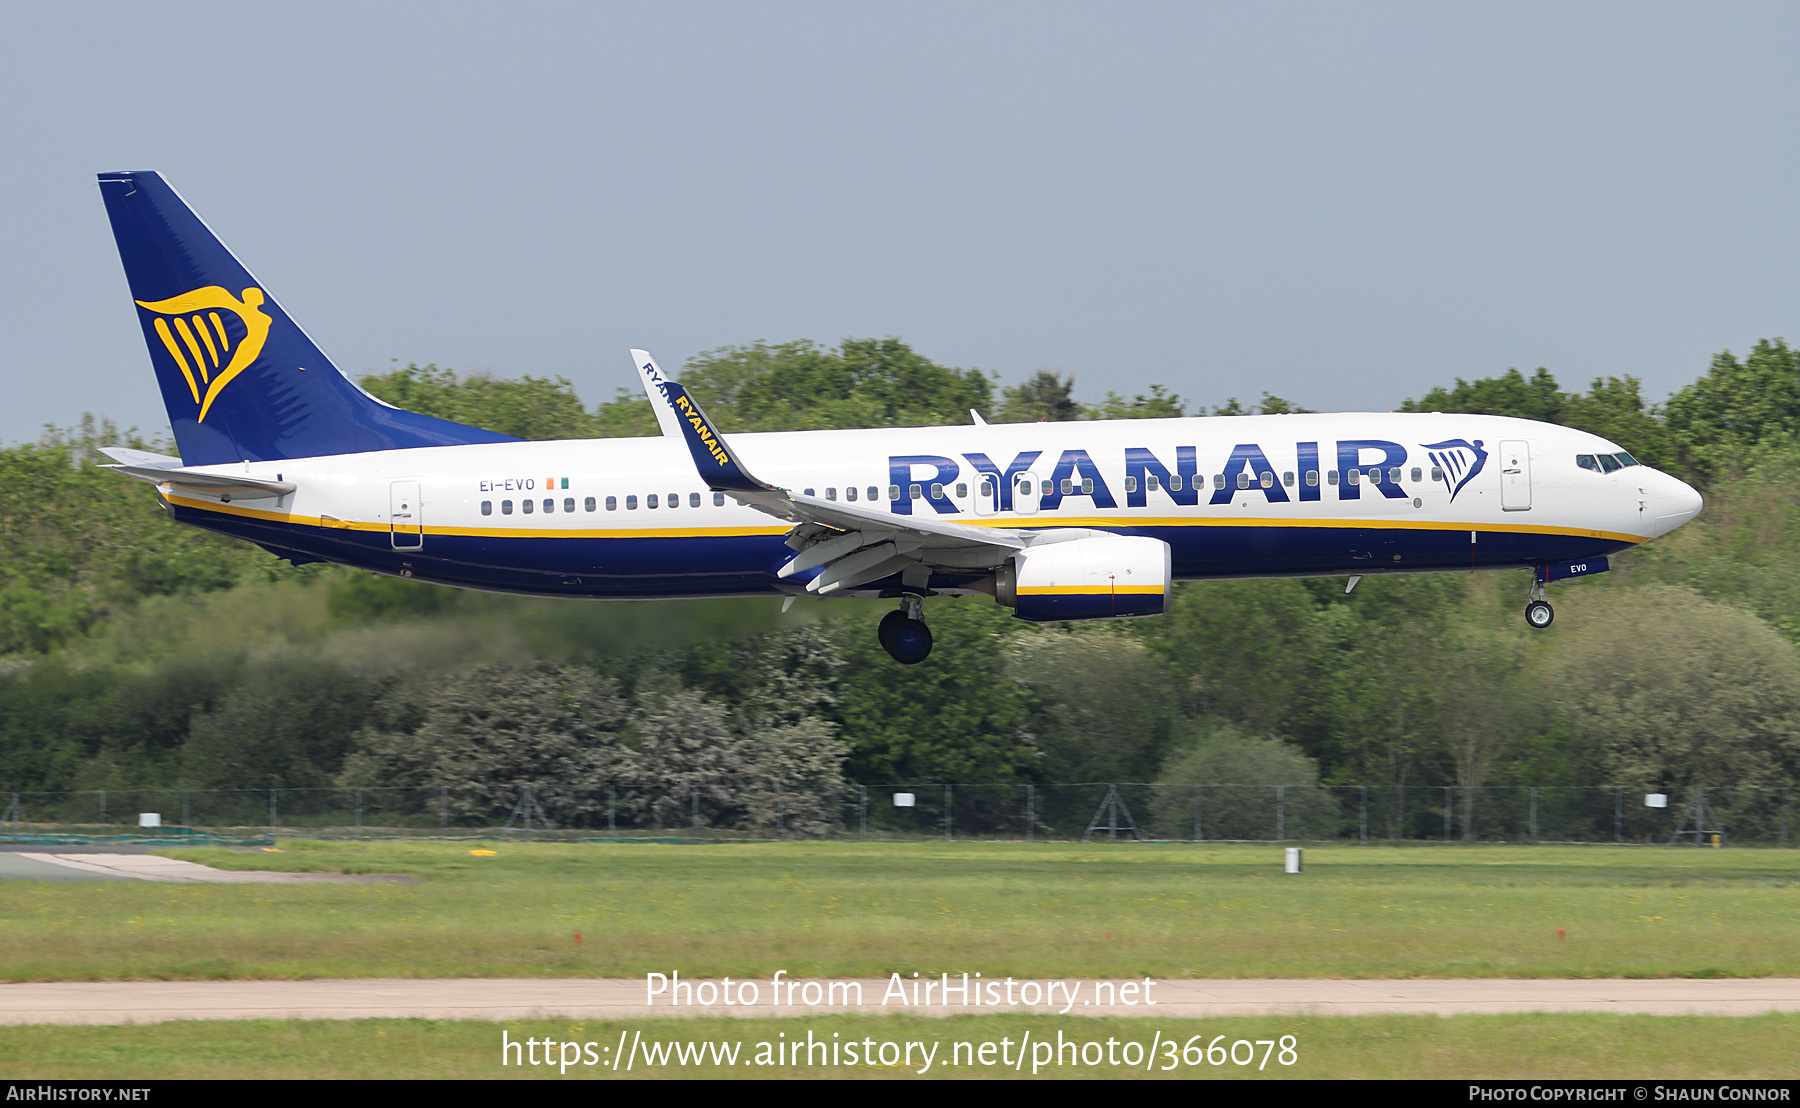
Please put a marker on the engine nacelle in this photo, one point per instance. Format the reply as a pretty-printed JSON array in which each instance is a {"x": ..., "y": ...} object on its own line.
[{"x": 1105, "y": 577}]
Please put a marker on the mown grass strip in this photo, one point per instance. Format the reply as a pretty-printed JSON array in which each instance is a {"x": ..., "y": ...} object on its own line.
[{"x": 849, "y": 910}]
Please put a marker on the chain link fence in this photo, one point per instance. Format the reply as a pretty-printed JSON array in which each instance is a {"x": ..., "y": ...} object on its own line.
[{"x": 1112, "y": 812}]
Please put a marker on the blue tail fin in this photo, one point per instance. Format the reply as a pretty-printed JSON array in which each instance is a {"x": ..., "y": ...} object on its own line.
[{"x": 240, "y": 379}]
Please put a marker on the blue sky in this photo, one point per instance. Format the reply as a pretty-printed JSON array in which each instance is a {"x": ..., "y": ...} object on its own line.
[{"x": 1344, "y": 204}]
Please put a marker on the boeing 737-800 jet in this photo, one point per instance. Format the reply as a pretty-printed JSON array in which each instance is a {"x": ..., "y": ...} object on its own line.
[{"x": 1057, "y": 521}]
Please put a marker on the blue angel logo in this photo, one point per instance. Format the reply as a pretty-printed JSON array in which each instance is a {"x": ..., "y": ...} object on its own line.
[{"x": 1457, "y": 461}]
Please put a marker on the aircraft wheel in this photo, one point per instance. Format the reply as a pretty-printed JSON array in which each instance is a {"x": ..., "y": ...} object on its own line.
[
  {"x": 910, "y": 642},
  {"x": 890, "y": 623},
  {"x": 1539, "y": 614}
]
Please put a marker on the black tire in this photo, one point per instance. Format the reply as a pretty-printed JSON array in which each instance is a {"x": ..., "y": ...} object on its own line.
[
  {"x": 910, "y": 643},
  {"x": 884, "y": 633},
  {"x": 1539, "y": 614}
]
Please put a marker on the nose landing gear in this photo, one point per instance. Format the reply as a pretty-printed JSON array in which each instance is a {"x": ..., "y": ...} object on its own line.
[
  {"x": 903, "y": 634},
  {"x": 1538, "y": 612}
]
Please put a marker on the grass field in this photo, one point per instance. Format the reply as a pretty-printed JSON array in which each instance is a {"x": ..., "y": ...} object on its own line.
[
  {"x": 833, "y": 909},
  {"x": 1536, "y": 1046}
]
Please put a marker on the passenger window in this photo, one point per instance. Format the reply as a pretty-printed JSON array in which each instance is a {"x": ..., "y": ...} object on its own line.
[
  {"x": 1267, "y": 480},
  {"x": 850, "y": 493},
  {"x": 718, "y": 500},
  {"x": 1218, "y": 480},
  {"x": 487, "y": 507},
  {"x": 1415, "y": 474},
  {"x": 1152, "y": 482},
  {"x": 962, "y": 490},
  {"x": 987, "y": 487},
  {"x": 652, "y": 502},
  {"x": 1394, "y": 476},
  {"x": 506, "y": 507},
  {"x": 1175, "y": 483},
  {"x": 913, "y": 492},
  {"x": 937, "y": 491},
  {"x": 1608, "y": 463},
  {"x": 893, "y": 492},
  {"x": 1288, "y": 478},
  {"x": 631, "y": 503},
  {"x": 1437, "y": 473},
  {"x": 674, "y": 500},
  {"x": 1068, "y": 486},
  {"x": 1355, "y": 476},
  {"x": 1048, "y": 488},
  {"x": 831, "y": 494},
  {"x": 1312, "y": 478},
  {"x": 1024, "y": 488},
  {"x": 526, "y": 506},
  {"x": 808, "y": 492},
  {"x": 1243, "y": 479},
  {"x": 569, "y": 503},
  {"x": 1626, "y": 459},
  {"x": 875, "y": 494},
  {"x": 693, "y": 500},
  {"x": 1331, "y": 477},
  {"x": 1131, "y": 483},
  {"x": 549, "y": 506},
  {"x": 1087, "y": 486}
]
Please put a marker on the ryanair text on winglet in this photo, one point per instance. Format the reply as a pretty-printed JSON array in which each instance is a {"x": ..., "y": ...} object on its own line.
[{"x": 700, "y": 428}]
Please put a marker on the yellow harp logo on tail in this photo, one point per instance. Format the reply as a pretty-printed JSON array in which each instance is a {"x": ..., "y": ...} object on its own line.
[{"x": 209, "y": 349}]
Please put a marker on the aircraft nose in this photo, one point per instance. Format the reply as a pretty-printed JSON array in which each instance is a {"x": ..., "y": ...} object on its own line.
[{"x": 1674, "y": 502}]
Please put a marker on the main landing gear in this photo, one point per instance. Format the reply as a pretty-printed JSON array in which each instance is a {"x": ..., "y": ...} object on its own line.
[
  {"x": 1538, "y": 612},
  {"x": 903, "y": 634}
]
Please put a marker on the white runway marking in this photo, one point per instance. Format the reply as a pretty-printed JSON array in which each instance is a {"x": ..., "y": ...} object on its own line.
[
  {"x": 148, "y": 867},
  {"x": 110, "y": 1002}
]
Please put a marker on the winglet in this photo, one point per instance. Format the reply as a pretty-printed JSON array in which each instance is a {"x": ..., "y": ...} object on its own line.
[
  {"x": 718, "y": 466},
  {"x": 651, "y": 375}
]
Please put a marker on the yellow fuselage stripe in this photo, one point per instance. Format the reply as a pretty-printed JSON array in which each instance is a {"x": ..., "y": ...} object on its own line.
[{"x": 782, "y": 529}]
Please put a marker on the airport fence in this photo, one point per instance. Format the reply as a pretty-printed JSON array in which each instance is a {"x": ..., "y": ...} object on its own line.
[{"x": 1109, "y": 812}]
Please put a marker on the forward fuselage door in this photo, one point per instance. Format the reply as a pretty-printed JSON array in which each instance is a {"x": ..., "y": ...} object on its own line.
[
  {"x": 1515, "y": 476},
  {"x": 405, "y": 520}
]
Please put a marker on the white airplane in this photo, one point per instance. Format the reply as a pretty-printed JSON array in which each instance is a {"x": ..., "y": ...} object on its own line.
[{"x": 1057, "y": 521}]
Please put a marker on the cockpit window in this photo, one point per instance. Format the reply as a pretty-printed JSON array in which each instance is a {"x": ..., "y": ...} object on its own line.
[
  {"x": 1608, "y": 463},
  {"x": 1586, "y": 461},
  {"x": 1626, "y": 459}
]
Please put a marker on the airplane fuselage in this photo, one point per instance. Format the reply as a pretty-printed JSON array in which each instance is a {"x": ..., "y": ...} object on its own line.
[{"x": 1234, "y": 497}]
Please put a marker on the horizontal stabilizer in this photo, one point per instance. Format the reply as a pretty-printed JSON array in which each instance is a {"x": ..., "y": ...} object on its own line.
[
  {"x": 235, "y": 488},
  {"x": 144, "y": 459}
]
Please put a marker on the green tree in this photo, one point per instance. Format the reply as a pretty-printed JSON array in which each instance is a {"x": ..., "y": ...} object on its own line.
[
  {"x": 1044, "y": 396},
  {"x": 1677, "y": 690},
  {"x": 1105, "y": 707},
  {"x": 528, "y": 408},
  {"x": 486, "y": 732},
  {"x": 1160, "y": 404},
  {"x": 289, "y": 725},
  {"x": 1717, "y": 421},
  {"x": 1246, "y": 767},
  {"x": 956, "y": 718}
]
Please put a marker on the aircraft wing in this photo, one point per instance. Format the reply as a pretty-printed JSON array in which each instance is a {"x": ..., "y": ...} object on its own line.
[{"x": 854, "y": 545}]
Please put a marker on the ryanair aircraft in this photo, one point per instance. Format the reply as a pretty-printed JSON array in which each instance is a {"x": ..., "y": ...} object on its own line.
[{"x": 1057, "y": 521}]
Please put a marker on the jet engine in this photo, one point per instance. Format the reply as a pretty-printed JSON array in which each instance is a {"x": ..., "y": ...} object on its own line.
[{"x": 1103, "y": 577}]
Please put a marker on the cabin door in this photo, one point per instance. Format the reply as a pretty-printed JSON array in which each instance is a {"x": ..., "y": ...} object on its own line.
[
  {"x": 404, "y": 518},
  {"x": 1515, "y": 476}
]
